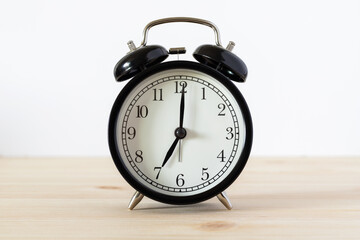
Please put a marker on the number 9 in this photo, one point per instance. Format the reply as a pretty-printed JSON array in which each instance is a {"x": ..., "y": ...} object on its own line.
[{"x": 132, "y": 132}]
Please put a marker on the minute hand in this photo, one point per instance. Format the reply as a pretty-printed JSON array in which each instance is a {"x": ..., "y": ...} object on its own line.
[{"x": 182, "y": 107}]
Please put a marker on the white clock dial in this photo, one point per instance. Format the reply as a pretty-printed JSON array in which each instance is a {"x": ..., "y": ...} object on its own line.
[{"x": 146, "y": 124}]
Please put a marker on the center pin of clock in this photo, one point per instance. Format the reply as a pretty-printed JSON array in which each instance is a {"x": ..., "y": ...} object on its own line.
[{"x": 180, "y": 133}]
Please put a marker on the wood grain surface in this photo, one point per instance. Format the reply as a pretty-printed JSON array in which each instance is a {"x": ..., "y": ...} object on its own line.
[{"x": 86, "y": 198}]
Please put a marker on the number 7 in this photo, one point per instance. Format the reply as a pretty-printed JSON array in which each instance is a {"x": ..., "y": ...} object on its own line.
[{"x": 157, "y": 168}]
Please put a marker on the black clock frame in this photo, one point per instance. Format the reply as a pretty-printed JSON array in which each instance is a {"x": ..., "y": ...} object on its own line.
[{"x": 179, "y": 200}]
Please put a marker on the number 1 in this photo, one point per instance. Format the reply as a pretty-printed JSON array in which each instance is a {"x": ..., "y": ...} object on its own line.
[{"x": 203, "y": 94}]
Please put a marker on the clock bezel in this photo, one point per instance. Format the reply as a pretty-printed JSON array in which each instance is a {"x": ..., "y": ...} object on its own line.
[{"x": 179, "y": 200}]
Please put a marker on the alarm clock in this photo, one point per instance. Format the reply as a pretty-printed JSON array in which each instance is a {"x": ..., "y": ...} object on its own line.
[{"x": 180, "y": 132}]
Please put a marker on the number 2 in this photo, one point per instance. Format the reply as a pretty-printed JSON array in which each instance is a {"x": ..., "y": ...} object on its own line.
[{"x": 221, "y": 106}]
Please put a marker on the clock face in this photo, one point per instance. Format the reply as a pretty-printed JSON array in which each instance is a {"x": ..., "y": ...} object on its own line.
[{"x": 180, "y": 135}]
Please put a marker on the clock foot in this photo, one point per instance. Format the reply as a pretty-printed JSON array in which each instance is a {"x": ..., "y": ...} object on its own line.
[
  {"x": 135, "y": 200},
  {"x": 223, "y": 198}
]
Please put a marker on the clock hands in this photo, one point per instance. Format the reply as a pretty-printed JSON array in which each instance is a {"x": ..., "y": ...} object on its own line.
[
  {"x": 182, "y": 107},
  {"x": 170, "y": 152},
  {"x": 180, "y": 132}
]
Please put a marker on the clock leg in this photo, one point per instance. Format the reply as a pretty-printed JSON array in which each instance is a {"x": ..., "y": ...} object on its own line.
[
  {"x": 135, "y": 200},
  {"x": 223, "y": 198}
]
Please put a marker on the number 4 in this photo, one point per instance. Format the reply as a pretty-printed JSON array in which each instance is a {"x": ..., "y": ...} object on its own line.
[{"x": 221, "y": 156}]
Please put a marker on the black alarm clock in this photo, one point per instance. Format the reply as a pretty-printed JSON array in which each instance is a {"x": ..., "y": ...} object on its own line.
[{"x": 180, "y": 132}]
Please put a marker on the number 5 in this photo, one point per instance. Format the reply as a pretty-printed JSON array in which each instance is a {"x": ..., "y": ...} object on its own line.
[{"x": 205, "y": 175}]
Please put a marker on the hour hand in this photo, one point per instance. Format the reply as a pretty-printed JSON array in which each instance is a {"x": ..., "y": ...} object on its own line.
[{"x": 170, "y": 152}]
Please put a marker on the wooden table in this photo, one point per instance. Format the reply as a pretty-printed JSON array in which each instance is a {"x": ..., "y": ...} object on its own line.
[{"x": 86, "y": 198}]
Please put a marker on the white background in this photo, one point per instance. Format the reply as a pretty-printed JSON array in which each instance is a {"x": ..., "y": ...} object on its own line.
[{"x": 57, "y": 58}]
